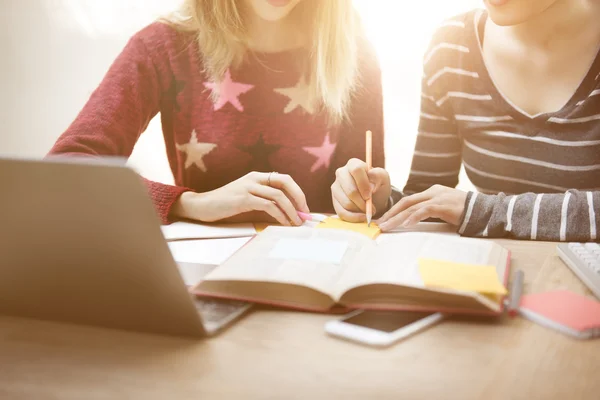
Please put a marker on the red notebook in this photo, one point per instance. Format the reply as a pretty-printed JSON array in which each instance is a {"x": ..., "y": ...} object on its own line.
[{"x": 565, "y": 311}]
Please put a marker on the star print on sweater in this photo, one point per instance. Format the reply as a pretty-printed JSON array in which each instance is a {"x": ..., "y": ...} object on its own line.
[
  {"x": 228, "y": 92},
  {"x": 323, "y": 153},
  {"x": 195, "y": 152},
  {"x": 260, "y": 152},
  {"x": 211, "y": 130},
  {"x": 299, "y": 97}
]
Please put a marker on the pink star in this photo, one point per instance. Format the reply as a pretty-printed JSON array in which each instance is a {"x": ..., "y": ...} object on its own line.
[
  {"x": 323, "y": 153},
  {"x": 228, "y": 91}
]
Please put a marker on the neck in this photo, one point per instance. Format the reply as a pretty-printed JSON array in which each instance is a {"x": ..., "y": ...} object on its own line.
[
  {"x": 272, "y": 36},
  {"x": 562, "y": 20}
]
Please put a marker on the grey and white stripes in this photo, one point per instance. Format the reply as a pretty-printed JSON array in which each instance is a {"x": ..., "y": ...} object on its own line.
[
  {"x": 550, "y": 162},
  {"x": 558, "y": 216}
]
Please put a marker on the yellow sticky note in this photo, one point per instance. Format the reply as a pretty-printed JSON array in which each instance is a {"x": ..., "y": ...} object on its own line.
[
  {"x": 335, "y": 223},
  {"x": 467, "y": 277}
]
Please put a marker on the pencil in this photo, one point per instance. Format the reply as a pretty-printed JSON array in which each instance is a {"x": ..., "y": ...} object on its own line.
[
  {"x": 515, "y": 294},
  {"x": 369, "y": 160}
]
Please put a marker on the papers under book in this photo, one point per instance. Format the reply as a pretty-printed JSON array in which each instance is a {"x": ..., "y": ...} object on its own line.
[
  {"x": 187, "y": 230},
  {"x": 321, "y": 269}
]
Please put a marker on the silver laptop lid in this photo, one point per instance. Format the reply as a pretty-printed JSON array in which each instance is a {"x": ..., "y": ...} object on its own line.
[{"x": 80, "y": 242}]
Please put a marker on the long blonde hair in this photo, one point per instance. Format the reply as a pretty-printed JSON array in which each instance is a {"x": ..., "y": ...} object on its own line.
[{"x": 332, "y": 30}]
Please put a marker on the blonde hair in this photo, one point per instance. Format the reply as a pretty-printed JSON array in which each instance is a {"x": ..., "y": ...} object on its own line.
[{"x": 331, "y": 30}]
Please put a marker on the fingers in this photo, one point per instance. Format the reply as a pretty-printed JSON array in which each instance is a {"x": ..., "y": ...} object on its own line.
[
  {"x": 290, "y": 187},
  {"x": 349, "y": 197},
  {"x": 356, "y": 184},
  {"x": 346, "y": 215},
  {"x": 280, "y": 199},
  {"x": 405, "y": 203},
  {"x": 345, "y": 204},
  {"x": 262, "y": 204},
  {"x": 436, "y": 202},
  {"x": 357, "y": 170},
  {"x": 424, "y": 212},
  {"x": 378, "y": 177},
  {"x": 344, "y": 207},
  {"x": 393, "y": 221},
  {"x": 342, "y": 198},
  {"x": 415, "y": 214}
]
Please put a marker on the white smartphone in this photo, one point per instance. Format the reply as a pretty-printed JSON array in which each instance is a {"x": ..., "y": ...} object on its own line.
[{"x": 381, "y": 328}]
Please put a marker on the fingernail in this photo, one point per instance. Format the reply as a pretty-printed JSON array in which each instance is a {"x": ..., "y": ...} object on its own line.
[
  {"x": 406, "y": 224},
  {"x": 303, "y": 216},
  {"x": 383, "y": 226}
]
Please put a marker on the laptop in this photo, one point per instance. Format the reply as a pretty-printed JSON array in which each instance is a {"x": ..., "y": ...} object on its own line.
[{"x": 80, "y": 242}]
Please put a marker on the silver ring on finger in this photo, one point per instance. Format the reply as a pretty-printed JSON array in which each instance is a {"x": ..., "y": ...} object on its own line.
[{"x": 269, "y": 178}]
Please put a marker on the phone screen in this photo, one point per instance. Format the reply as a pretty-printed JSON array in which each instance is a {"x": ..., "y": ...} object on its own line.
[{"x": 386, "y": 321}]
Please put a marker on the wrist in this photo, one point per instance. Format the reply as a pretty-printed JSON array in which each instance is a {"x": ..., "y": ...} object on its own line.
[{"x": 189, "y": 206}]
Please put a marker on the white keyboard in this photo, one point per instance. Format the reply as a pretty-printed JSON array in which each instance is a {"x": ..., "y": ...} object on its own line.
[{"x": 584, "y": 260}]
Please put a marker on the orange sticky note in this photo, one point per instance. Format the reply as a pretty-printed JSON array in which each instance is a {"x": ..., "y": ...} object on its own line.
[
  {"x": 261, "y": 226},
  {"x": 458, "y": 276},
  {"x": 335, "y": 223}
]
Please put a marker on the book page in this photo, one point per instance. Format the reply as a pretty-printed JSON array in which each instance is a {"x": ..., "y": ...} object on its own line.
[
  {"x": 314, "y": 258},
  {"x": 316, "y": 249},
  {"x": 394, "y": 260}
]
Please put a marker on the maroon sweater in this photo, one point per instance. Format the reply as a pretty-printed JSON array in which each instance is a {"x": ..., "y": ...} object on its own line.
[{"x": 261, "y": 121}]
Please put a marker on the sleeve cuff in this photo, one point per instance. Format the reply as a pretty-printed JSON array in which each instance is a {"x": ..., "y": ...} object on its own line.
[
  {"x": 164, "y": 198},
  {"x": 476, "y": 215}
]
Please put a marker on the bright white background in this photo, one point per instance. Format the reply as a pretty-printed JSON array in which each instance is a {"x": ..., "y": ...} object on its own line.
[{"x": 55, "y": 52}]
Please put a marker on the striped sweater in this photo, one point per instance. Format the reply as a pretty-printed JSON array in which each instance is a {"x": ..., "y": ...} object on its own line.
[{"x": 537, "y": 177}]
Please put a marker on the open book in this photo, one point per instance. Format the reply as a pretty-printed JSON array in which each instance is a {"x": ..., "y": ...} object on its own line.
[{"x": 323, "y": 269}]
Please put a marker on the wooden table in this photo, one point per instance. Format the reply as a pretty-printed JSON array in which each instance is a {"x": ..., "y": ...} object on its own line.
[{"x": 285, "y": 355}]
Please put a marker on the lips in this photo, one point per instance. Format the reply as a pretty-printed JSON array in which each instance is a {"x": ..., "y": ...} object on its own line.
[
  {"x": 279, "y": 3},
  {"x": 497, "y": 3}
]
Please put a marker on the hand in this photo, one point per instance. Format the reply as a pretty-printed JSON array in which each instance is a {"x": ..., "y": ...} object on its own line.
[
  {"x": 274, "y": 194},
  {"x": 354, "y": 185},
  {"x": 438, "y": 201}
]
